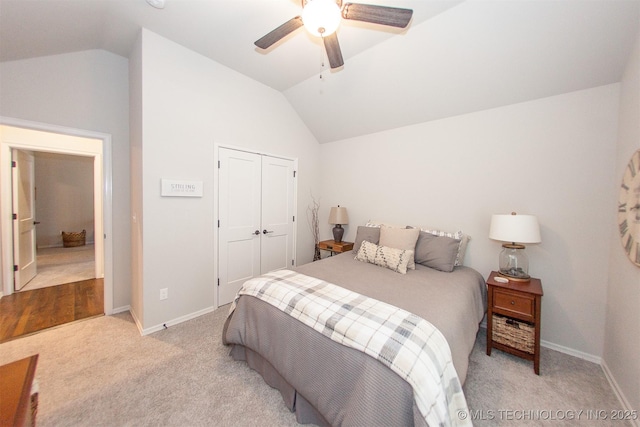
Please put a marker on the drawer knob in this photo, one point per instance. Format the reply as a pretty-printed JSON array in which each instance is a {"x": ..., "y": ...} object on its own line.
[{"x": 513, "y": 302}]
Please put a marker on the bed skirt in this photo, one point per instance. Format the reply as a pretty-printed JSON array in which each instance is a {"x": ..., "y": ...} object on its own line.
[
  {"x": 294, "y": 401},
  {"x": 324, "y": 382}
]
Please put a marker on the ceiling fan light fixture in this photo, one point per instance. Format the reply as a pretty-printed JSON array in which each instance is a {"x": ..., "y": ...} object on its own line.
[{"x": 321, "y": 17}]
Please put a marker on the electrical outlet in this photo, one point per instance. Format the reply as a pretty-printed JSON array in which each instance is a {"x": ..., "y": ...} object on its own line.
[{"x": 164, "y": 293}]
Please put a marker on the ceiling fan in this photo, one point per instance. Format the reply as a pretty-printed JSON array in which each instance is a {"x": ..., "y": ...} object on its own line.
[{"x": 322, "y": 17}]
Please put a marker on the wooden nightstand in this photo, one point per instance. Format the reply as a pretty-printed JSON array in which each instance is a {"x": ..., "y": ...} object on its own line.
[
  {"x": 19, "y": 403},
  {"x": 333, "y": 247},
  {"x": 513, "y": 318}
]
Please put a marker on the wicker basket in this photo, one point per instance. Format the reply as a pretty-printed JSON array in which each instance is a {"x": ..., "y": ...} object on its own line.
[
  {"x": 71, "y": 239},
  {"x": 514, "y": 333}
]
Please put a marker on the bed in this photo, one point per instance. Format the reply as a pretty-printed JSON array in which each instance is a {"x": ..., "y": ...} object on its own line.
[{"x": 327, "y": 383}]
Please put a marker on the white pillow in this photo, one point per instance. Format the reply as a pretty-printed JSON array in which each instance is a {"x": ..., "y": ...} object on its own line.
[
  {"x": 400, "y": 238},
  {"x": 391, "y": 258}
]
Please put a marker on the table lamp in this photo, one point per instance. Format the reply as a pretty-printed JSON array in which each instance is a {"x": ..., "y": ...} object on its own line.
[
  {"x": 338, "y": 216},
  {"x": 517, "y": 229}
]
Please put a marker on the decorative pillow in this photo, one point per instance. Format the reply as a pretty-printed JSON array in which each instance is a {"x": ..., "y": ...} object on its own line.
[
  {"x": 400, "y": 238},
  {"x": 378, "y": 224},
  {"x": 370, "y": 234},
  {"x": 438, "y": 252},
  {"x": 391, "y": 258},
  {"x": 458, "y": 235}
]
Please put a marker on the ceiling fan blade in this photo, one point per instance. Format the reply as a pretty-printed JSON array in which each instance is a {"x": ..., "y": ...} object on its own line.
[
  {"x": 332, "y": 47},
  {"x": 283, "y": 30},
  {"x": 384, "y": 15}
]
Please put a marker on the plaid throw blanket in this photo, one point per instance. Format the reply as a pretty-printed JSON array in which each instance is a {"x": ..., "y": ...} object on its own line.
[{"x": 407, "y": 344}]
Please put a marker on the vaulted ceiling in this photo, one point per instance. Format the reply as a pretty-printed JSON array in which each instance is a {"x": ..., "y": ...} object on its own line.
[{"x": 455, "y": 57}]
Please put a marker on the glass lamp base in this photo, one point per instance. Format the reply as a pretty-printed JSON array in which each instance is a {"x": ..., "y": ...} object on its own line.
[{"x": 514, "y": 263}]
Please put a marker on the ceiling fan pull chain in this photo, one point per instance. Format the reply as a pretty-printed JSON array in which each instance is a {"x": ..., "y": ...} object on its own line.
[{"x": 322, "y": 66}]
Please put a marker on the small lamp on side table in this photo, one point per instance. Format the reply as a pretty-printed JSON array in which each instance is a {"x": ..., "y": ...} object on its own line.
[
  {"x": 513, "y": 261},
  {"x": 338, "y": 216}
]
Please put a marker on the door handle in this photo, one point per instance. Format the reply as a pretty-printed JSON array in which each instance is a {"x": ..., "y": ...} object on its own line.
[
  {"x": 266, "y": 232},
  {"x": 257, "y": 232},
  {"x": 36, "y": 222}
]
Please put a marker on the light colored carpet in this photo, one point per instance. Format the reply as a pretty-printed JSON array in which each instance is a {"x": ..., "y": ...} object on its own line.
[
  {"x": 502, "y": 390},
  {"x": 101, "y": 372},
  {"x": 57, "y": 266}
]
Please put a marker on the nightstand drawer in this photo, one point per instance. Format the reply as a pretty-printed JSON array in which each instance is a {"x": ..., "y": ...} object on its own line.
[
  {"x": 327, "y": 246},
  {"x": 513, "y": 303},
  {"x": 330, "y": 245}
]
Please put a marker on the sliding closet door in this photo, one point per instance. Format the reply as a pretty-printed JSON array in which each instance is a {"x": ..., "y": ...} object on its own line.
[{"x": 255, "y": 210}]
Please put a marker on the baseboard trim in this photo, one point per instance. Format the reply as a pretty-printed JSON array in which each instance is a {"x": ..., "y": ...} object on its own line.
[
  {"x": 572, "y": 352},
  {"x": 121, "y": 309},
  {"x": 561, "y": 349},
  {"x": 87, "y": 243},
  {"x": 176, "y": 321},
  {"x": 136, "y": 321},
  {"x": 616, "y": 389}
]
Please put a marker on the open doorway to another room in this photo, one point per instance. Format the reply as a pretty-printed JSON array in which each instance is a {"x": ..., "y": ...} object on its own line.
[
  {"x": 71, "y": 193},
  {"x": 63, "y": 204}
]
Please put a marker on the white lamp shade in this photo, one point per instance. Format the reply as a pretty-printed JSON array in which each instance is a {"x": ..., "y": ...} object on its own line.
[
  {"x": 321, "y": 17},
  {"x": 515, "y": 228},
  {"x": 338, "y": 215}
]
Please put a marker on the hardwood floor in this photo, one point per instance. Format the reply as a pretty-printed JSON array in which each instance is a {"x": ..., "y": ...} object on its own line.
[{"x": 24, "y": 313}]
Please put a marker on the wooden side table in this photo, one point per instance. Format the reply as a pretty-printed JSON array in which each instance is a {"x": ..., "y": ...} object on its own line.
[
  {"x": 335, "y": 247},
  {"x": 18, "y": 405},
  {"x": 513, "y": 318}
]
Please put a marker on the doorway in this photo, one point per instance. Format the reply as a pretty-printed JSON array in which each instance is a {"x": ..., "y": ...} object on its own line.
[
  {"x": 64, "y": 203},
  {"x": 38, "y": 137}
]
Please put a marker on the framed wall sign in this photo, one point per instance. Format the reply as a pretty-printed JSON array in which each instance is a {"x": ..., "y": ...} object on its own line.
[{"x": 174, "y": 188}]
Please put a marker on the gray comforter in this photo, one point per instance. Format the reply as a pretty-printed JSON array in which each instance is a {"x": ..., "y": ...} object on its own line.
[{"x": 326, "y": 383}]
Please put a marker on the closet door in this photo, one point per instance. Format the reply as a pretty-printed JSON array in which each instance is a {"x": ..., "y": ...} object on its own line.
[
  {"x": 255, "y": 210},
  {"x": 276, "y": 249},
  {"x": 239, "y": 210}
]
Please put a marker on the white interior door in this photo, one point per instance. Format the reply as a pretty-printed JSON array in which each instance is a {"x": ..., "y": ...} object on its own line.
[
  {"x": 24, "y": 230},
  {"x": 239, "y": 188},
  {"x": 276, "y": 249},
  {"x": 255, "y": 213}
]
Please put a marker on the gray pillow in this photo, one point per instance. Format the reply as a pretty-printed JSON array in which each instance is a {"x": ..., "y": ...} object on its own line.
[
  {"x": 370, "y": 234},
  {"x": 437, "y": 252}
]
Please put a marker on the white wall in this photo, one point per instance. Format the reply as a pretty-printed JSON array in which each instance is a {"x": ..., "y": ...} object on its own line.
[
  {"x": 83, "y": 90},
  {"x": 136, "y": 214},
  {"x": 64, "y": 197},
  {"x": 189, "y": 103},
  {"x": 622, "y": 339},
  {"x": 552, "y": 157}
]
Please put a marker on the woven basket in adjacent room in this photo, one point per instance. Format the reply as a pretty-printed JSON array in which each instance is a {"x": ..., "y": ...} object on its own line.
[{"x": 73, "y": 238}]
